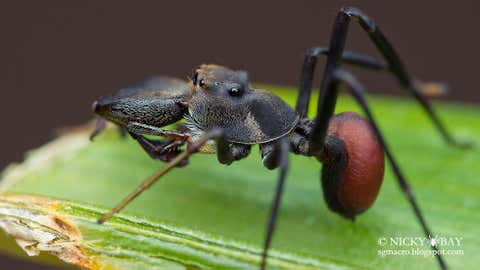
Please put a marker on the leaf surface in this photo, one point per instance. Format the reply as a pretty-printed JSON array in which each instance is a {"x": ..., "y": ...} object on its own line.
[{"x": 210, "y": 216}]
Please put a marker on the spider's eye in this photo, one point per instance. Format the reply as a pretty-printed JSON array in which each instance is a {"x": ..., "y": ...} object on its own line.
[
  {"x": 201, "y": 83},
  {"x": 235, "y": 91},
  {"x": 195, "y": 78}
]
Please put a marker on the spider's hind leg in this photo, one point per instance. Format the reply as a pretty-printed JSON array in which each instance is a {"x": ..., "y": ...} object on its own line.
[
  {"x": 337, "y": 56},
  {"x": 356, "y": 90}
]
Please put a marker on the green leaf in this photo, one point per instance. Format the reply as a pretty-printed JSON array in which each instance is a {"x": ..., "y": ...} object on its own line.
[{"x": 210, "y": 216}]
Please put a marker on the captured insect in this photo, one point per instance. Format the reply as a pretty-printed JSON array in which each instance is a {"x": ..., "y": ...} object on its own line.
[{"x": 225, "y": 115}]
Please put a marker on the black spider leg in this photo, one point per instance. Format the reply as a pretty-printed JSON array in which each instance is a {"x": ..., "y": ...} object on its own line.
[
  {"x": 225, "y": 154},
  {"x": 164, "y": 150},
  {"x": 139, "y": 128},
  {"x": 192, "y": 149},
  {"x": 100, "y": 127},
  {"x": 351, "y": 58},
  {"x": 283, "y": 148},
  {"x": 357, "y": 91},
  {"x": 122, "y": 131},
  {"x": 310, "y": 62},
  {"x": 336, "y": 46}
]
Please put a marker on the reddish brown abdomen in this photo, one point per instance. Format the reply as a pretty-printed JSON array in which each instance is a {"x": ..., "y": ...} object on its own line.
[{"x": 363, "y": 176}]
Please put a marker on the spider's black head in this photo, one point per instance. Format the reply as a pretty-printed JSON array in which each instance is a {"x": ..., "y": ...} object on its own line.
[
  {"x": 223, "y": 98},
  {"x": 221, "y": 81}
]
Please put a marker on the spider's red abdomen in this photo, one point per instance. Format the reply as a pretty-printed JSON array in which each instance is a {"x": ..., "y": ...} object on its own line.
[{"x": 360, "y": 183}]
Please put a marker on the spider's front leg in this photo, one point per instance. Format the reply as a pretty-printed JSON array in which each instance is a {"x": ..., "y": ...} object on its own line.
[
  {"x": 168, "y": 149},
  {"x": 165, "y": 150},
  {"x": 139, "y": 128},
  {"x": 226, "y": 153}
]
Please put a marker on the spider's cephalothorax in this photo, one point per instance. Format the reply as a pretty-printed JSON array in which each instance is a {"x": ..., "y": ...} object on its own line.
[
  {"x": 224, "y": 98},
  {"x": 225, "y": 115}
]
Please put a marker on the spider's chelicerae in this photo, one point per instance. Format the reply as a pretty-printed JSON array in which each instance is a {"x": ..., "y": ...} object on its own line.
[{"x": 226, "y": 115}]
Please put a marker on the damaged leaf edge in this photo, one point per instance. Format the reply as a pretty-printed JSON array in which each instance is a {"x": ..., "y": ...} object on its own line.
[
  {"x": 40, "y": 224},
  {"x": 41, "y": 228}
]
